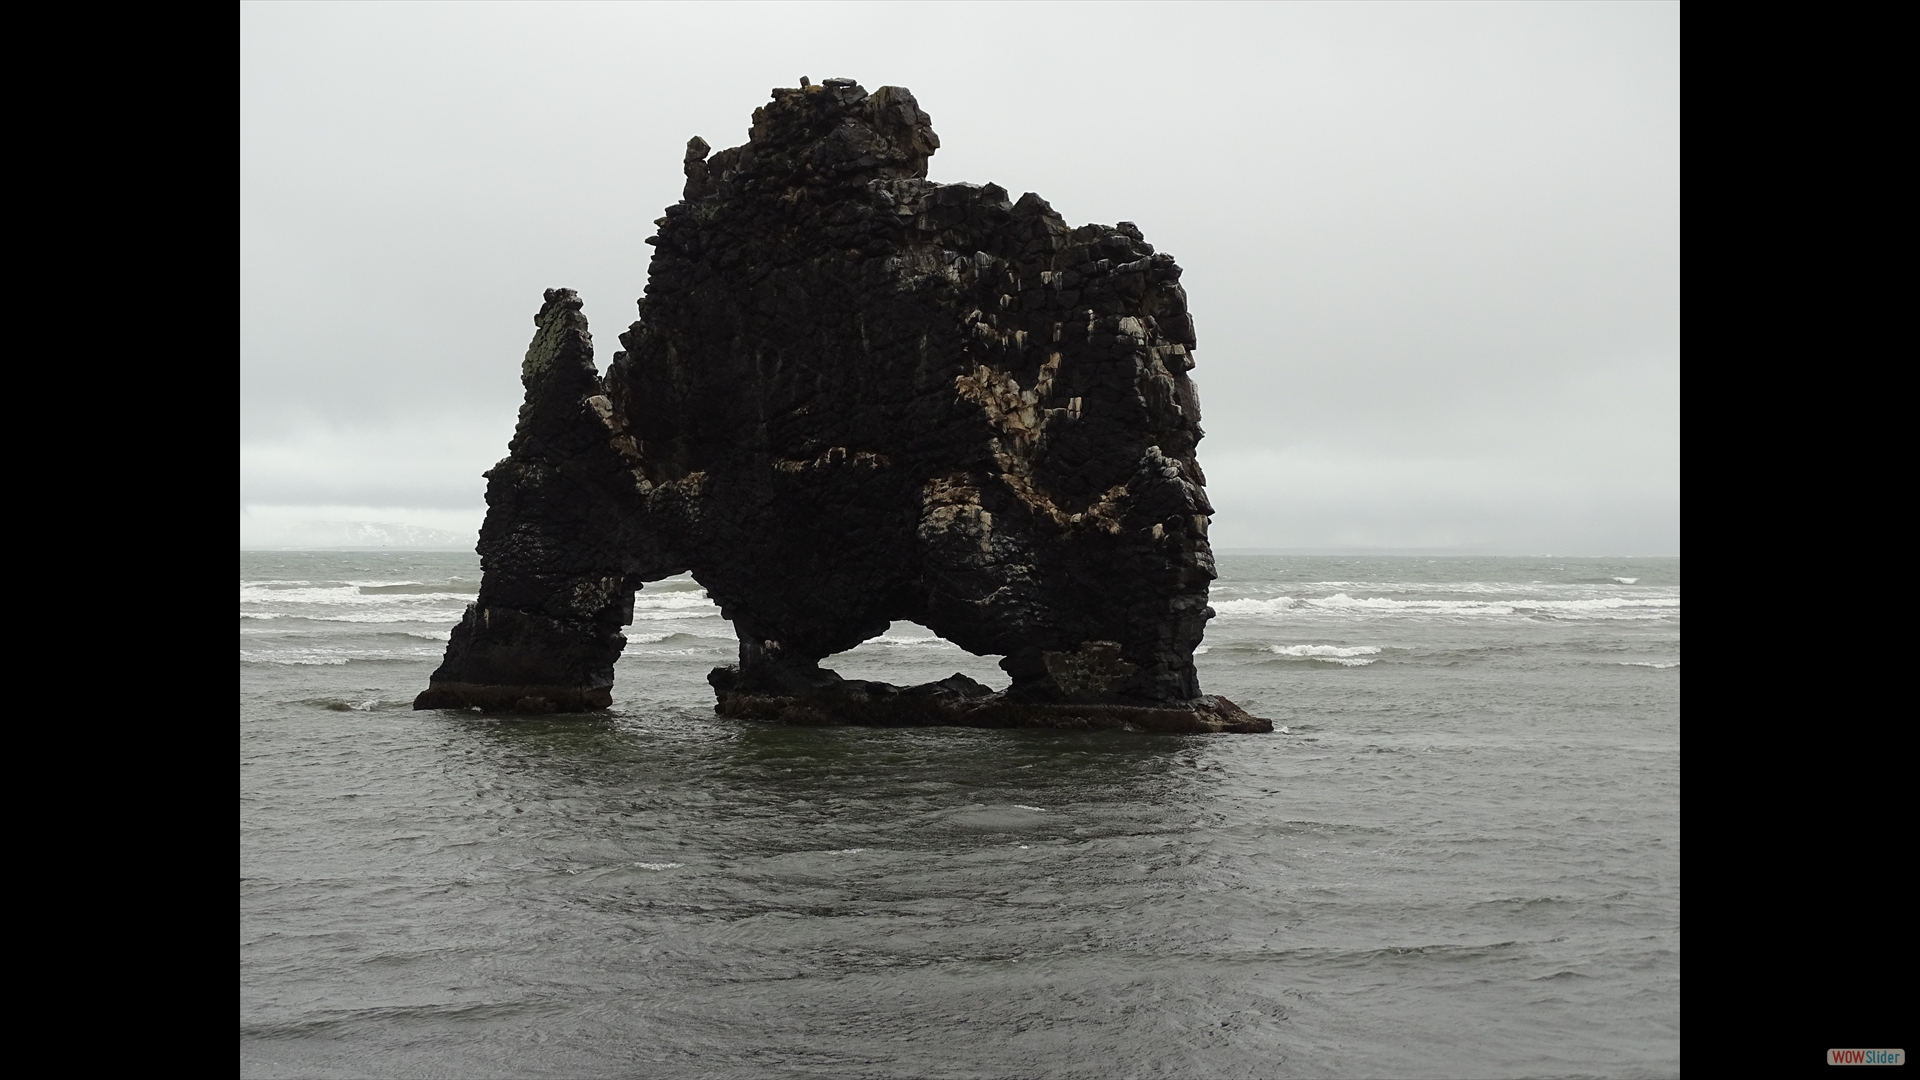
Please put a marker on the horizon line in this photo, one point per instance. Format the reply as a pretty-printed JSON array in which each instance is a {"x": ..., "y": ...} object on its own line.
[{"x": 1357, "y": 552}]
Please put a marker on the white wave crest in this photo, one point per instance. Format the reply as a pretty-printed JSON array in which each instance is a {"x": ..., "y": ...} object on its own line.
[
  {"x": 1650, "y": 663},
  {"x": 1602, "y": 607},
  {"x": 1346, "y": 656},
  {"x": 344, "y": 595},
  {"x": 1325, "y": 650},
  {"x": 719, "y": 641},
  {"x": 1581, "y": 600},
  {"x": 383, "y": 617},
  {"x": 1247, "y": 607},
  {"x": 248, "y": 656},
  {"x": 661, "y": 654},
  {"x": 679, "y": 599},
  {"x": 1628, "y": 580},
  {"x": 911, "y": 642},
  {"x": 320, "y": 654},
  {"x": 658, "y": 865}
]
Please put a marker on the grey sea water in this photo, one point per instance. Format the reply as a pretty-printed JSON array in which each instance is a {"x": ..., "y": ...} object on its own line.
[{"x": 1464, "y": 860}]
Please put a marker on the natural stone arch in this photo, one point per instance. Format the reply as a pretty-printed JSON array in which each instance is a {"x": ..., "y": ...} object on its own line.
[{"x": 855, "y": 397}]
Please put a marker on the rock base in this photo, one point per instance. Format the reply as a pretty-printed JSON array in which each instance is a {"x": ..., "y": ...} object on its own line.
[
  {"x": 514, "y": 699},
  {"x": 903, "y": 708}
]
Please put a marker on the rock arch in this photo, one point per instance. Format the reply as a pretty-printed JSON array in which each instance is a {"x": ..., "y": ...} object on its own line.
[{"x": 854, "y": 396}]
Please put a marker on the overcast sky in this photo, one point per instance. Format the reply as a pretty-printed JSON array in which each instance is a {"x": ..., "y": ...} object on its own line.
[{"x": 1432, "y": 250}]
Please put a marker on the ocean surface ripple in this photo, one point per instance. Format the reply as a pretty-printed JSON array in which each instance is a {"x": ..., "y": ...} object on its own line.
[{"x": 1463, "y": 860}]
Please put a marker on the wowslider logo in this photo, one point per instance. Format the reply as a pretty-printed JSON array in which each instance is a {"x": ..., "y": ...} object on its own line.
[{"x": 1866, "y": 1057}]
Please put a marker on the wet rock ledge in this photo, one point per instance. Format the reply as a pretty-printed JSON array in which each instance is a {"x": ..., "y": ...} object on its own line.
[{"x": 855, "y": 396}]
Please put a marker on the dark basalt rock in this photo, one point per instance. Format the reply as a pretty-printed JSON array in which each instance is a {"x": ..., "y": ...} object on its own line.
[{"x": 854, "y": 396}]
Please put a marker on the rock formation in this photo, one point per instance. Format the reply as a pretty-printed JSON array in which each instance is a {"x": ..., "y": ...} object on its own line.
[{"x": 855, "y": 396}]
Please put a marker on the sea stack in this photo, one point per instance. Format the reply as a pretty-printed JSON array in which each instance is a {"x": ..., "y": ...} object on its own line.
[{"x": 855, "y": 396}]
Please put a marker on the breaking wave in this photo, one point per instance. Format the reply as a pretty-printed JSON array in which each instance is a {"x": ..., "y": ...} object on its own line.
[
  {"x": 1346, "y": 656},
  {"x": 1242, "y": 607},
  {"x": 322, "y": 656},
  {"x": 911, "y": 642},
  {"x": 287, "y": 592},
  {"x": 1341, "y": 603}
]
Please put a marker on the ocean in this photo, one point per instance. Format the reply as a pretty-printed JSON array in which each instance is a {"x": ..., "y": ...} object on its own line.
[{"x": 1461, "y": 859}]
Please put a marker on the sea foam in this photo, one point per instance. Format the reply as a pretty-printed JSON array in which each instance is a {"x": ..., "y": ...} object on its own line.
[
  {"x": 1346, "y": 656},
  {"x": 1341, "y": 603}
]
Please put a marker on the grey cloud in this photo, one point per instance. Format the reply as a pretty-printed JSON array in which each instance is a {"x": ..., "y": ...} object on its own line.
[{"x": 1432, "y": 241}]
